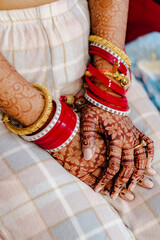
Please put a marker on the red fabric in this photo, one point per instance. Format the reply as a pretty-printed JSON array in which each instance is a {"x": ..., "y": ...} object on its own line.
[{"x": 144, "y": 17}]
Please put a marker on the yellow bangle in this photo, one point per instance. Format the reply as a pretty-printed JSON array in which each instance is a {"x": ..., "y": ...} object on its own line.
[
  {"x": 40, "y": 122},
  {"x": 111, "y": 46}
]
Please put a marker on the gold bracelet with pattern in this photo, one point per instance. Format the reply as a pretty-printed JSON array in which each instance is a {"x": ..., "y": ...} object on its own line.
[
  {"x": 111, "y": 46},
  {"x": 124, "y": 81},
  {"x": 39, "y": 123}
]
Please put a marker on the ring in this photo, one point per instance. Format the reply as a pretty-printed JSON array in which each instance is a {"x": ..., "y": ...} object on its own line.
[{"x": 142, "y": 144}]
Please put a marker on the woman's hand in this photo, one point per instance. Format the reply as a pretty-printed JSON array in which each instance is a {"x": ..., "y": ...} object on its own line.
[{"x": 126, "y": 162}]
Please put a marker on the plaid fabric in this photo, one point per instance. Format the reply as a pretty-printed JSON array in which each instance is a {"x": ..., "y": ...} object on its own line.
[
  {"x": 39, "y": 200},
  {"x": 48, "y": 44}
]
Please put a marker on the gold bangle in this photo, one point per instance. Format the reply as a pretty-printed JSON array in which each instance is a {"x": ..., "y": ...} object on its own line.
[
  {"x": 124, "y": 81},
  {"x": 40, "y": 122},
  {"x": 111, "y": 46}
]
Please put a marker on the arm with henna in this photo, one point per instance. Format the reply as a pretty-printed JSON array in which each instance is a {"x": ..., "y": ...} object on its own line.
[
  {"x": 126, "y": 164},
  {"x": 25, "y": 104},
  {"x": 18, "y": 98}
]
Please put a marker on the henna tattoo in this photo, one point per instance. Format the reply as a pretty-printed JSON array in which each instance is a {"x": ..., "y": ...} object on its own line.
[
  {"x": 109, "y": 21},
  {"x": 112, "y": 165},
  {"x": 18, "y": 98},
  {"x": 123, "y": 162}
]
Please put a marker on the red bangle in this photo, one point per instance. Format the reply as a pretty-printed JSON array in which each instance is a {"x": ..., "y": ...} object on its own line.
[
  {"x": 109, "y": 57},
  {"x": 107, "y": 81},
  {"x": 122, "y": 102},
  {"x": 92, "y": 95},
  {"x": 62, "y": 132},
  {"x": 58, "y": 137}
]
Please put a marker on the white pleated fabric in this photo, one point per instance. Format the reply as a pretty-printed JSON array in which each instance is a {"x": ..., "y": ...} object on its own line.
[{"x": 48, "y": 44}]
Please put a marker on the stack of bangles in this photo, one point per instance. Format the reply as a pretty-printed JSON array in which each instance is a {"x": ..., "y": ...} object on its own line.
[
  {"x": 55, "y": 128},
  {"x": 120, "y": 73},
  {"x": 58, "y": 123}
]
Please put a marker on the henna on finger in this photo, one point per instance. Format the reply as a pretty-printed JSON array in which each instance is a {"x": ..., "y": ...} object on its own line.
[
  {"x": 150, "y": 171},
  {"x": 126, "y": 195},
  {"x": 100, "y": 172},
  {"x": 149, "y": 149},
  {"x": 140, "y": 163},
  {"x": 127, "y": 168},
  {"x": 114, "y": 159},
  {"x": 145, "y": 182},
  {"x": 89, "y": 125},
  {"x": 149, "y": 143}
]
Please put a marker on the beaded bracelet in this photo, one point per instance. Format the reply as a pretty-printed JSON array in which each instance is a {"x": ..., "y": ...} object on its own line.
[
  {"x": 40, "y": 122},
  {"x": 114, "y": 48}
]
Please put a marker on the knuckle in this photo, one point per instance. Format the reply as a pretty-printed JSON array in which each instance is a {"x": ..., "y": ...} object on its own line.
[{"x": 115, "y": 169}]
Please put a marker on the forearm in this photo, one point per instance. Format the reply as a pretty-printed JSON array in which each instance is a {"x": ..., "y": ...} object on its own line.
[
  {"x": 109, "y": 21},
  {"x": 18, "y": 98}
]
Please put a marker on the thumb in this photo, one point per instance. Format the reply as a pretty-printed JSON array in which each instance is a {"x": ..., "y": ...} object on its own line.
[
  {"x": 88, "y": 153},
  {"x": 88, "y": 131}
]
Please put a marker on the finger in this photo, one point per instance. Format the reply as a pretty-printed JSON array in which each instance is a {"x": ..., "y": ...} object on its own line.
[
  {"x": 89, "y": 179},
  {"x": 89, "y": 125},
  {"x": 127, "y": 168},
  {"x": 126, "y": 195},
  {"x": 140, "y": 162},
  {"x": 149, "y": 149},
  {"x": 150, "y": 171},
  {"x": 114, "y": 159},
  {"x": 145, "y": 182}
]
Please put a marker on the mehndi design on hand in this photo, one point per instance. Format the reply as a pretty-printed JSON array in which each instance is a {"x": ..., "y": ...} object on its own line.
[
  {"x": 125, "y": 165},
  {"x": 112, "y": 165}
]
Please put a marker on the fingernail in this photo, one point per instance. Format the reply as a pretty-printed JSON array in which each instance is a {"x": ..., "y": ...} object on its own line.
[
  {"x": 106, "y": 193},
  {"x": 148, "y": 183},
  {"x": 87, "y": 153},
  {"x": 98, "y": 189},
  {"x": 151, "y": 171},
  {"x": 149, "y": 165},
  {"x": 114, "y": 196},
  {"x": 129, "y": 196},
  {"x": 132, "y": 187}
]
